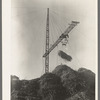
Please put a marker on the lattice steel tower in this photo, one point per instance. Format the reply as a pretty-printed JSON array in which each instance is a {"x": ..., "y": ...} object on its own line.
[{"x": 47, "y": 43}]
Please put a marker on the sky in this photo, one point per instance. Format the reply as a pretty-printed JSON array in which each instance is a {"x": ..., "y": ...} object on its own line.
[{"x": 28, "y": 33}]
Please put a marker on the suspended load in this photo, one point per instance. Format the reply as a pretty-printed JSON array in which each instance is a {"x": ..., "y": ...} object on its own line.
[
  {"x": 65, "y": 56},
  {"x": 64, "y": 42}
]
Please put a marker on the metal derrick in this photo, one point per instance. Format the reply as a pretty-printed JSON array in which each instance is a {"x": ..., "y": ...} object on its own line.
[{"x": 61, "y": 37}]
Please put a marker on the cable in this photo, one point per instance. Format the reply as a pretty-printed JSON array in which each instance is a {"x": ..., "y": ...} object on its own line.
[
  {"x": 52, "y": 30},
  {"x": 59, "y": 13},
  {"x": 59, "y": 31},
  {"x": 55, "y": 33},
  {"x": 52, "y": 37},
  {"x": 63, "y": 21},
  {"x": 56, "y": 27},
  {"x": 60, "y": 25},
  {"x": 57, "y": 24},
  {"x": 62, "y": 16}
]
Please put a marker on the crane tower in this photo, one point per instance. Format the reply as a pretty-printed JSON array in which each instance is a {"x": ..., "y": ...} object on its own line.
[{"x": 47, "y": 43}]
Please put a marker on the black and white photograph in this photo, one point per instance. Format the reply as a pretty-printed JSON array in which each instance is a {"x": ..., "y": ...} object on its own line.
[{"x": 50, "y": 50}]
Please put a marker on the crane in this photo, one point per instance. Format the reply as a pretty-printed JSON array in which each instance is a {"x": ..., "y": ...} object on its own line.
[{"x": 62, "y": 36}]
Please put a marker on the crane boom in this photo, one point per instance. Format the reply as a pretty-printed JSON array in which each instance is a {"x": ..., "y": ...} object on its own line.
[{"x": 63, "y": 35}]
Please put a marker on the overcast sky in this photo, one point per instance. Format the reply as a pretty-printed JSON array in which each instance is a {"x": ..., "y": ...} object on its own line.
[{"x": 28, "y": 21}]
